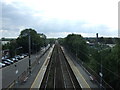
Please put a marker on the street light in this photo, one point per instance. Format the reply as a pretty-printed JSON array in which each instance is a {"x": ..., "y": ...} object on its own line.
[
  {"x": 101, "y": 65},
  {"x": 101, "y": 69},
  {"x": 29, "y": 41}
]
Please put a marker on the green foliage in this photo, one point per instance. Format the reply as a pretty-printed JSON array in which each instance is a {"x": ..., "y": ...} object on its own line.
[
  {"x": 5, "y": 46},
  {"x": 11, "y": 47},
  {"x": 97, "y": 55},
  {"x": 50, "y": 40},
  {"x": 77, "y": 45},
  {"x": 36, "y": 40},
  {"x": 61, "y": 41},
  {"x": 110, "y": 61},
  {"x": 107, "y": 40}
]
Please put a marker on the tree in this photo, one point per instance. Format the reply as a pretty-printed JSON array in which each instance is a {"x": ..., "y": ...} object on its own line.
[
  {"x": 77, "y": 45},
  {"x": 101, "y": 40},
  {"x": 36, "y": 41},
  {"x": 110, "y": 61}
]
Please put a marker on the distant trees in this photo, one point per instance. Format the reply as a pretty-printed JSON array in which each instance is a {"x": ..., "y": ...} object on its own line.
[
  {"x": 92, "y": 56},
  {"x": 50, "y": 40},
  {"x": 106, "y": 40},
  {"x": 37, "y": 41},
  {"x": 110, "y": 63},
  {"x": 11, "y": 47},
  {"x": 77, "y": 45}
]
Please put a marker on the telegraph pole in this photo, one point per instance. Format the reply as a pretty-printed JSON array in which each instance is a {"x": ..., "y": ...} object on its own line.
[
  {"x": 101, "y": 74},
  {"x": 29, "y": 41},
  {"x": 99, "y": 51}
]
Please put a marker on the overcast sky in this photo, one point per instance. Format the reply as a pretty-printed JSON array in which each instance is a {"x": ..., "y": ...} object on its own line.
[{"x": 58, "y": 18}]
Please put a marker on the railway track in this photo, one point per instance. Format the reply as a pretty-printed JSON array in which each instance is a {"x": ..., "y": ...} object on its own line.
[{"x": 59, "y": 75}]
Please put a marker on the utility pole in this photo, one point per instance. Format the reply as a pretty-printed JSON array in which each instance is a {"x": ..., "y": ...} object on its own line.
[
  {"x": 99, "y": 51},
  {"x": 29, "y": 41},
  {"x": 101, "y": 71},
  {"x": 101, "y": 74}
]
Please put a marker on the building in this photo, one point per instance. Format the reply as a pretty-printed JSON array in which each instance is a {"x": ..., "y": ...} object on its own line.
[{"x": 6, "y": 40}]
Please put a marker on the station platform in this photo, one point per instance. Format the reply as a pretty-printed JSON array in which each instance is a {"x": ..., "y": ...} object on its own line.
[
  {"x": 81, "y": 80},
  {"x": 38, "y": 80}
]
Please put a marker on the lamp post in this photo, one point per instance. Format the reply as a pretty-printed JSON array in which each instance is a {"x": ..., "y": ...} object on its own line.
[
  {"x": 101, "y": 65},
  {"x": 29, "y": 41},
  {"x": 29, "y": 48}
]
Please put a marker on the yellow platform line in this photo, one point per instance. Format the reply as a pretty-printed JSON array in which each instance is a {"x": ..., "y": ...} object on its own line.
[
  {"x": 74, "y": 68},
  {"x": 43, "y": 69},
  {"x": 12, "y": 85}
]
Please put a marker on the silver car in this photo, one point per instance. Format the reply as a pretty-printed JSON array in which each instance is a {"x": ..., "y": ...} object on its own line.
[
  {"x": 9, "y": 61},
  {"x": 2, "y": 65},
  {"x": 14, "y": 59}
]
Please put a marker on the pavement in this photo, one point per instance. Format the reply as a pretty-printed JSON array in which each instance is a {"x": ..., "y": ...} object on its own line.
[{"x": 38, "y": 80}]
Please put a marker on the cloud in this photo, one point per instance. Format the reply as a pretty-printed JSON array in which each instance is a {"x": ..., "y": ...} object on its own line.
[
  {"x": 59, "y": 18},
  {"x": 13, "y": 16}
]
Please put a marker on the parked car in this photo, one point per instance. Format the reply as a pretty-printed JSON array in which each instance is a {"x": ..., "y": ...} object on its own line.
[
  {"x": 5, "y": 62},
  {"x": 3, "y": 58},
  {"x": 9, "y": 61},
  {"x": 14, "y": 59},
  {"x": 17, "y": 57},
  {"x": 25, "y": 55},
  {"x": 2, "y": 65},
  {"x": 21, "y": 56}
]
